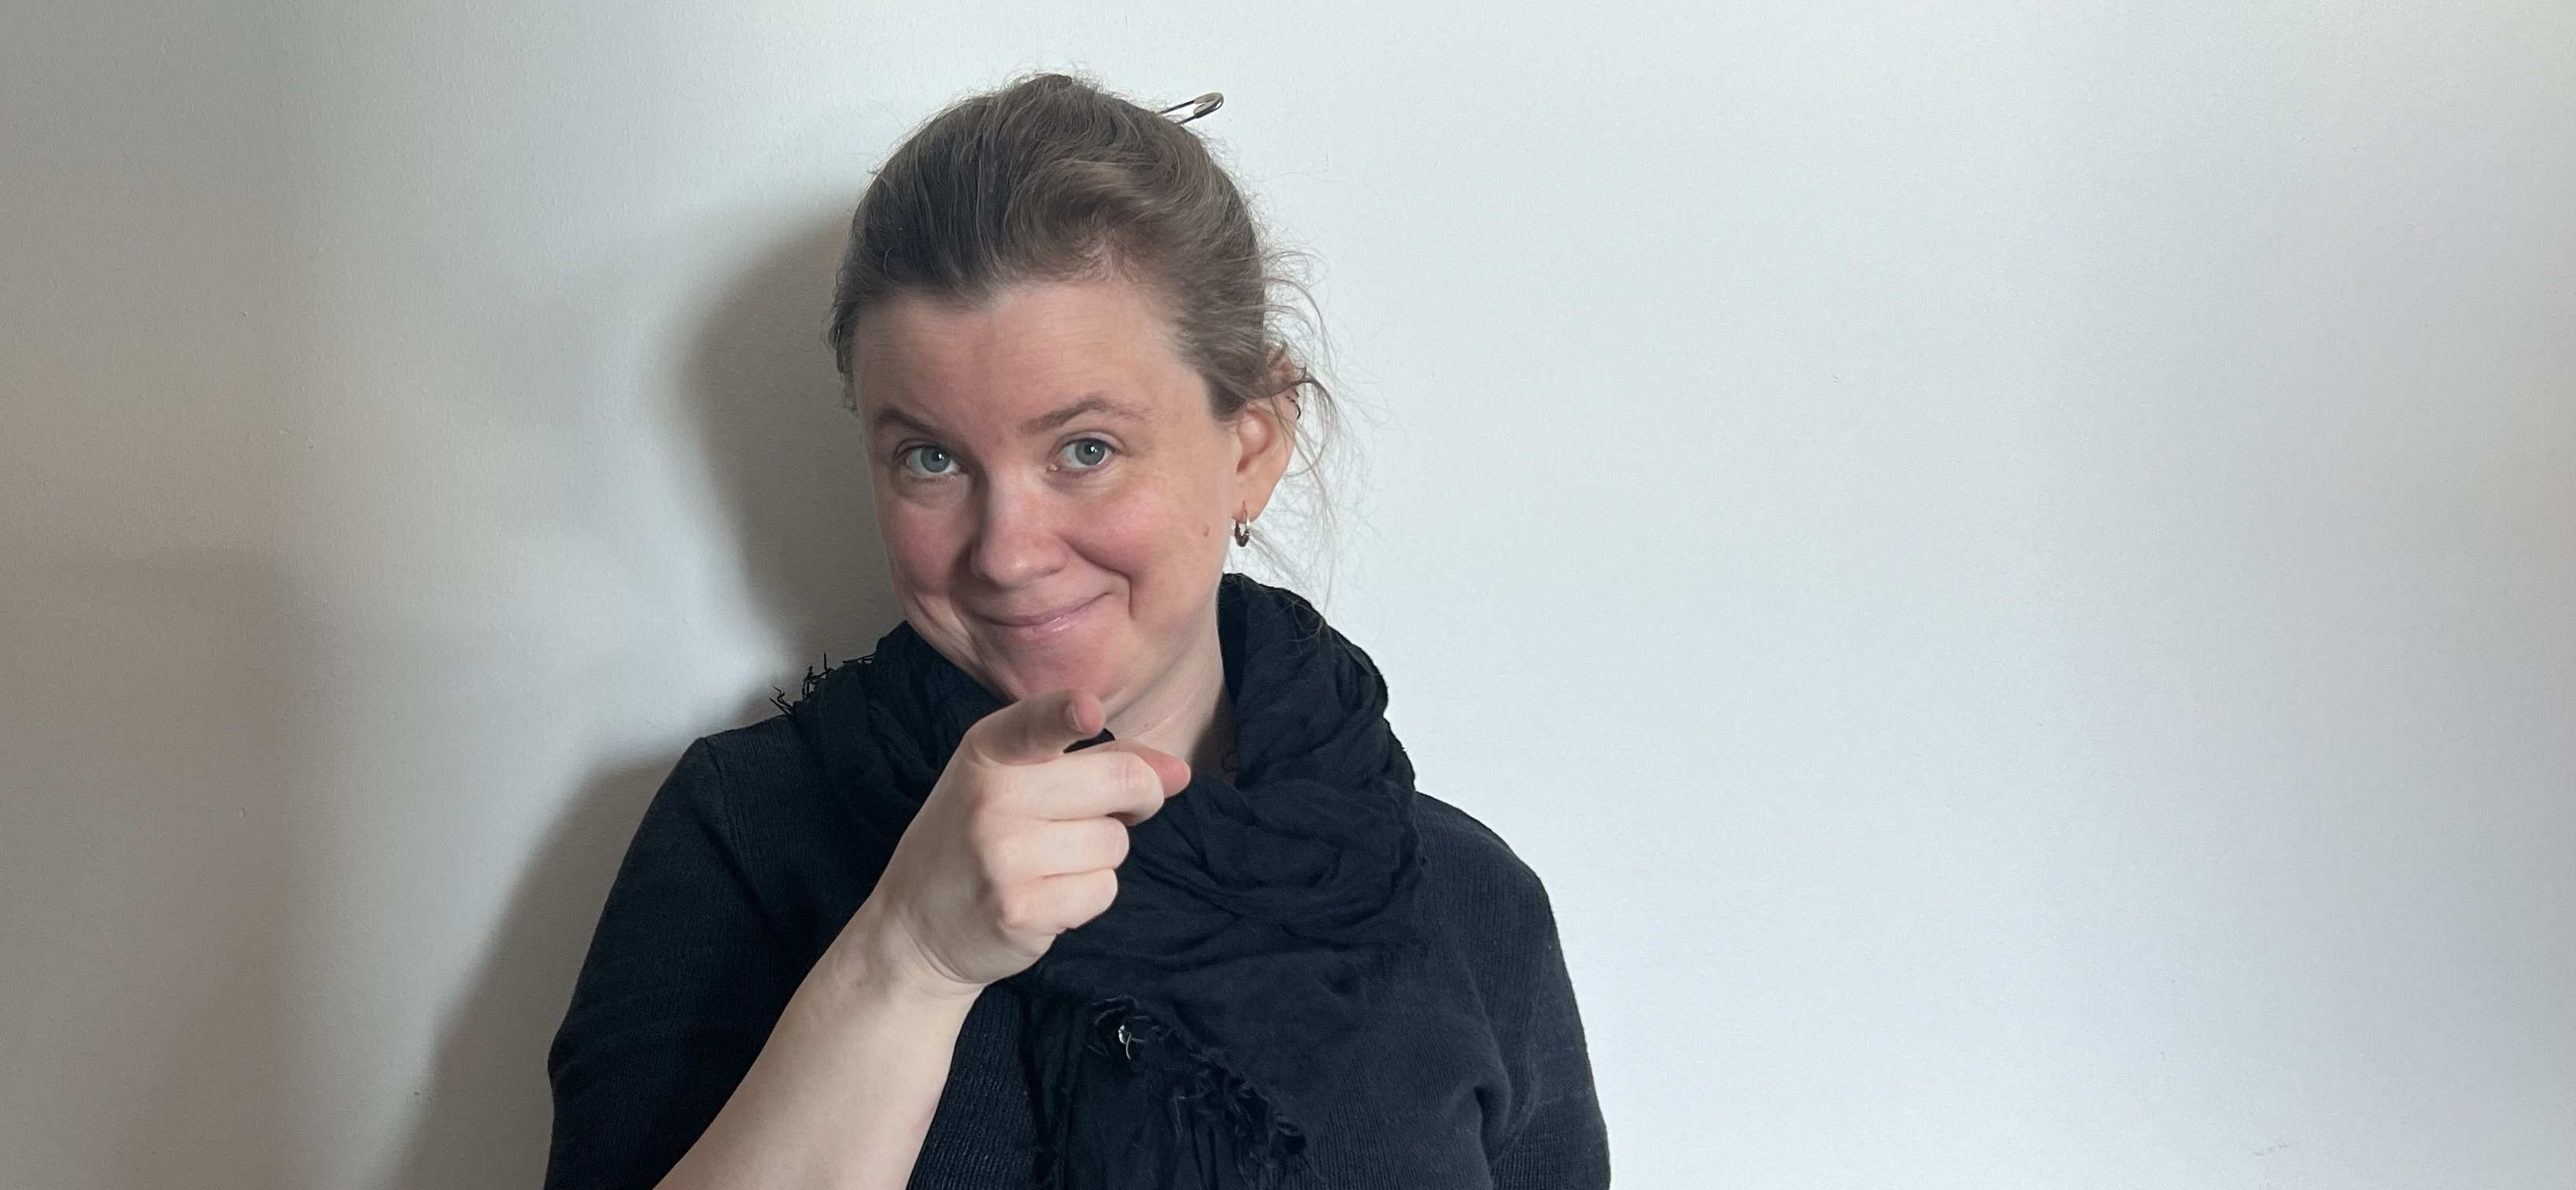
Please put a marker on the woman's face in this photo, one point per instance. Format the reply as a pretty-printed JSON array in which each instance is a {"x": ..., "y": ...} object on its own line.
[{"x": 1055, "y": 493}]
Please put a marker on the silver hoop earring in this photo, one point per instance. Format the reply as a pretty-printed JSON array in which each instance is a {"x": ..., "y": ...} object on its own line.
[{"x": 1243, "y": 532}]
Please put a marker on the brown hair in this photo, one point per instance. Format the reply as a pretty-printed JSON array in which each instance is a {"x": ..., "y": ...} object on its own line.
[{"x": 1051, "y": 178}]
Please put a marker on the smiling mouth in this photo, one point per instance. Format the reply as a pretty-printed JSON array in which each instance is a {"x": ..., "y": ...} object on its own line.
[{"x": 1042, "y": 623}]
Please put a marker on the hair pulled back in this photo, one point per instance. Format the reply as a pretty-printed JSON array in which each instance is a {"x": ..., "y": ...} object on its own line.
[{"x": 1050, "y": 178}]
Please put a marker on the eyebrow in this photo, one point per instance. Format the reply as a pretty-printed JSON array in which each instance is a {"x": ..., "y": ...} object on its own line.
[
  {"x": 1090, "y": 403},
  {"x": 1049, "y": 420},
  {"x": 889, "y": 415}
]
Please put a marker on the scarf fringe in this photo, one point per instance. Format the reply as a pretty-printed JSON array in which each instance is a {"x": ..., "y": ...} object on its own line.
[
  {"x": 1201, "y": 1094},
  {"x": 1203, "y": 1083},
  {"x": 813, "y": 681}
]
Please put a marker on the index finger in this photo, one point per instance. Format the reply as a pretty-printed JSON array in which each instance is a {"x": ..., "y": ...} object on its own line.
[{"x": 1034, "y": 729}]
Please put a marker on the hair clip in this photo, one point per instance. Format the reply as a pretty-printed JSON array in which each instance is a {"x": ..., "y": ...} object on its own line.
[{"x": 1198, "y": 107}]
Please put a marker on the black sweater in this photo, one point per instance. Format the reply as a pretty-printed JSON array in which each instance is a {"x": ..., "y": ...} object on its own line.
[{"x": 1474, "y": 1072}]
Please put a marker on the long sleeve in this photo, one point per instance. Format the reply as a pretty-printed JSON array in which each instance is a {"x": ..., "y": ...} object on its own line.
[
  {"x": 684, "y": 979},
  {"x": 1560, "y": 1142},
  {"x": 1543, "y": 1125}
]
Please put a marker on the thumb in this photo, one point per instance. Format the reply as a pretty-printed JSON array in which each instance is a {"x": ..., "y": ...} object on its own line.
[
  {"x": 1174, "y": 771},
  {"x": 1034, "y": 729}
]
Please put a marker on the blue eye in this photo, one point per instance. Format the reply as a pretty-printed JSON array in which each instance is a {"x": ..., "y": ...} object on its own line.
[
  {"x": 1083, "y": 454},
  {"x": 929, "y": 460}
]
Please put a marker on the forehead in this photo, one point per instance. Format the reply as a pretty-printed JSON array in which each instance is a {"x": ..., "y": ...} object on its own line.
[{"x": 1032, "y": 347}]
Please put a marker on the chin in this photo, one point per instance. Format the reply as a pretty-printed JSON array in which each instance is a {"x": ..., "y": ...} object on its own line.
[{"x": 1020, "y": 670}]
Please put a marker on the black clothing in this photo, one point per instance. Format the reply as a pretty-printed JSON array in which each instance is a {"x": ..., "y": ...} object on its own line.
[
  {"x": 1255, "y": 915},
  {"x": 1427, "y": 1038}
]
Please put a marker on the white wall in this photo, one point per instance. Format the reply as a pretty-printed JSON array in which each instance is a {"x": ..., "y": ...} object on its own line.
[{"x": 2013, "y": 566}]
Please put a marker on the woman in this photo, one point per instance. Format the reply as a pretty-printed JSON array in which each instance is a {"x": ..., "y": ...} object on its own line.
[{"x": 1104, "y": 871}]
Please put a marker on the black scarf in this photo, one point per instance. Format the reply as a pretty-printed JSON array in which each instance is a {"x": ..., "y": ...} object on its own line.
[{"x": 1253, "y": 918}]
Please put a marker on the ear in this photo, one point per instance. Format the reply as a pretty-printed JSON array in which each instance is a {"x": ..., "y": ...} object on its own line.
[{"x": 1266, "y": 438}]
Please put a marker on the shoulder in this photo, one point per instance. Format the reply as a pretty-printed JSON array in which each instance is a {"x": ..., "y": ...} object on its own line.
[
  {"x": 752, "y": 808},
  {"x": 766, "y": 761},
  {"x": 768, "y": 753},
  {"x": 1477, "y": 893},
  {"x": 738, "y": 782},
  {"x": 728, "y": 795},
  {"x": 727, "y": 789},
  {"x": 1464, "y": 851}
]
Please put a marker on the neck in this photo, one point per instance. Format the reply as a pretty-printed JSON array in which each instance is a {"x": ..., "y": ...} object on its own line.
[{"x": 1186, "y": 713}]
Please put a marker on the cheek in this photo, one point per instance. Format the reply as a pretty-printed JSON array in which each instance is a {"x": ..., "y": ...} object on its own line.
[
  {"x": 921, "y": 544},
  {"x": 1162, "y": 537}
]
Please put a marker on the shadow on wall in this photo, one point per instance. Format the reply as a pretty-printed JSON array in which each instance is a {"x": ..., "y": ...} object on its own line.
[
  {"x": 786, "y": 462},
  {"x": 148, "y": 807},
  {"x": 786, "y": 458},
  {"x": 155, "y": 640}
]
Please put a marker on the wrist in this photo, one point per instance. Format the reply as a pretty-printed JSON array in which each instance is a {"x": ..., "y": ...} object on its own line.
[{"x": 877, "y": 956}]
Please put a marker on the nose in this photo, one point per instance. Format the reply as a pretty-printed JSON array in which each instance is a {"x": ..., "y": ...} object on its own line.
[{"x": 1016, "y": 541}]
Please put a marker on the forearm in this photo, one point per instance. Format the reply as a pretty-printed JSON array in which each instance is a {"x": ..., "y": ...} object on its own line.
[{"x": 843, "y": 1091}]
